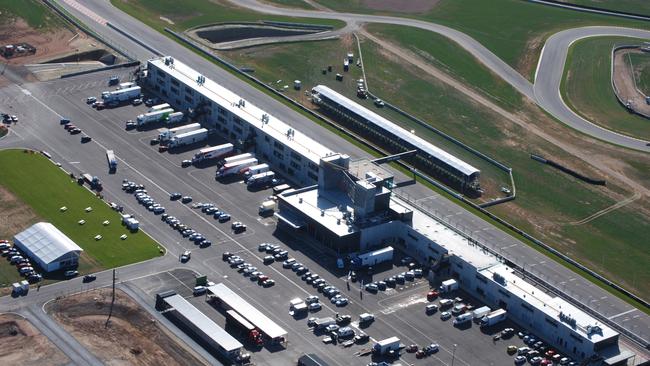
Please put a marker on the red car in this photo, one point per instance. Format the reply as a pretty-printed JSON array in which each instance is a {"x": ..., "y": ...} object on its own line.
[
  {"x": 432, "y": 295},
  {"x": 262, "y": 278},
  {"x": 546, "y": 362}
]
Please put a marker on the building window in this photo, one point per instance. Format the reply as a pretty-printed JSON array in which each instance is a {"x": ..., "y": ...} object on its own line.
[
  {"x": 290, "y": 171},
  {"x": 175, "y": 82},
  {"x": 481, "y": 278},
  {"x": 189, "y": 99},
  {"x": 267, "y": 138},
  {"x": 527, "y": 307},
  {"x": 188, "y": 90},
  {"x": 173, "y": 90},
  {"x": 278, "y": 145},
  {"x": 504, "y": 293},
  {"x": 312, "y": 176},
  {"x": 313, "y": 166},
  {"x": 164, "y": 92},
  {"x": 575, "y": 337},
  {"x": 551, "y": 322},
  {"x": 237, "y": 121},
  {"x": 296, "y": 156},
  {"x": 294, "y": 165}
]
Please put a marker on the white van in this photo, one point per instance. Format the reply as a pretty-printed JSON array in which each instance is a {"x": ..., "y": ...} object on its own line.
[
  {"x": 444, "y": 303},
  {"x": 345, "y": 332},
  {"x": 462, "y": 319}
]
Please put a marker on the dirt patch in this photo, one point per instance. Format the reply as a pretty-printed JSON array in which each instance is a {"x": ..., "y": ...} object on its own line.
[
  {"x": 401, "y": 6},
  {"x": 23, "y": 344},
  {"x": 625, "y": 85},
  {"x": 132, "y": 337},
  {"x": 528, "y": 60},
  {"x": 237, "y": 32},
  {"x": 15, "y": 215}
]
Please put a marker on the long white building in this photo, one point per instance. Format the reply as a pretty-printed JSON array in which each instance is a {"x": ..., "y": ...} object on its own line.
[{"x": 248, "y": 127}]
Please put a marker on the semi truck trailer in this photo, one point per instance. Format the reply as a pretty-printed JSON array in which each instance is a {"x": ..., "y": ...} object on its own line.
[
  {"x": 232, "y": 159},
  {"x": 175, "y": 117},
  {"x": 257, "y": 169},
  {"x": 159, "y": 107},
  {"x": 237, "y": 167},
  {"x": 112, "y": 161},
  {"x": 493, "y": 318},
  {"x": 373, "y": 258},
  {"x": 261, "y": 179},
  {"x": 188, "y": 138},
  {"x": 214, "y": 152},
  {"x": 384, "y": 346},
  {"x": 121, "y": 95},
  {"x": 152, "y": 117},
  {"x": 166, "y": 134}
]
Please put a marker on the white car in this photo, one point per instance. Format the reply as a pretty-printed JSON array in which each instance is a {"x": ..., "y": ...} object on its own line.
[
  {"x": 445, "y": 315},
  {"x": 315, "y": 306},
  {"x": 311, "y": 299}
]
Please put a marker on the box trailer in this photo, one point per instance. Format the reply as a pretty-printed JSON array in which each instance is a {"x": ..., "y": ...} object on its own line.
[
  {"x": 112, "y": 161},
  {"x": 463, "y": 319},
  {"x": 188, "y": 138},
  {"x": 232, "y": 159},
  {"x": 152, "y": 117},
  {"x": 281, "y": 188},
  {"x": 261, "y": 179},
  {"x": 236, "y": 167},
  {"x": 257, "y": 169},
  {"x": 323, "y": 322},
  {"x": 159, "y": 107},
  {"x": 167, "y": 133},
  {"x": 214, "y": 152},
  {"x": 448, "y": 285},
  {"x": 479, "y": 313},
  {"x": 121, "y": 95},
  {"x": 125, "y": 85},
  {"x": 373, "y": 258},
  {"x": 267, "y": 207},
  {"x": 175, "y": 117},
  {"x": 384, "y": 346},
  {"x": 493, "y": 318}
]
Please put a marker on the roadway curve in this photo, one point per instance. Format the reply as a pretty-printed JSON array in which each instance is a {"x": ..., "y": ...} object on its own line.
[{"x": 549, "y": 72}]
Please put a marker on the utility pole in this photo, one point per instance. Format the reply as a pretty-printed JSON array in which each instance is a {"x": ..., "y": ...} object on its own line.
[
  {"x": 110, "y": 310},
  {"x": 453, "y": 355}
]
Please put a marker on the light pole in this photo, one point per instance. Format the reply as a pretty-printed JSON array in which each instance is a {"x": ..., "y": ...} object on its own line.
[{"x": 453, "y": 354}]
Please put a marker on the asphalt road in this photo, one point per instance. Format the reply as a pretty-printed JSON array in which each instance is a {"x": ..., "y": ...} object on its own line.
[
  {"x": 550, "y": 69},
  {"x": 66, "y": 95}
]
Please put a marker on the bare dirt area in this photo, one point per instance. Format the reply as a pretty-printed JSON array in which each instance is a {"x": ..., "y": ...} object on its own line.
[
  {"x": 625, "y": 84},
  {"x": 23, "y": 344},
  {"x": 529, "y": 59},
  {"x": 132, "y": 337},
  {"x": 15, "y": 215},
  {"x": 401, "y": 6}
]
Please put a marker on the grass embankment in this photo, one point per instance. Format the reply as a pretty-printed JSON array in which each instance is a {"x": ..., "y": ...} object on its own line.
[
  {"x": 586, "y": 87},
  {"x": 290, "y": 3},
  {"x": 641, "y": 7},
  {"x": 641, "y": 66},
  {"x": 548, "y": 201},
  {"x": 34, "y": 12},
  {"x": 514, "y": 30},
  {"x": 45, "y": 188},
  {"x": 181, "y": 15}
]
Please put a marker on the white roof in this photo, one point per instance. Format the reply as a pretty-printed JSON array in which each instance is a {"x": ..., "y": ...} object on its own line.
[
  {"x": 46, "y": 242},
  {"x": 249, "y": 113},
  {"x": 392, "y": 128},
  {"x": 551, "y": 306},
  {"x": 203, "y": 323},
  {"x": 248, "y": 311}
]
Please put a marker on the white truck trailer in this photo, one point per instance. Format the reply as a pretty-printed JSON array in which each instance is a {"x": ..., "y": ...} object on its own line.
[
  {"x": 166, "y": 134},
  {"x": 188, "y": 138},
  {"x": 257, "y": 169},
  {"x": 214, "y": 152},
  {"x": 261, "y": 179},
  {"x": 152, "y": 117},
  {"x": 479, "y": 313},
  {"x": 448, "y": 286},
  {"x": 175, "y": 117},
  {"x": 159, "y": 107},
  {"x": 384, "y": 346},
  {"x": 121, "y": 95},
  {"x": 373, "y": 258},
  {"x": 125, "y": 85},
  {"x": 494, "y": 317},
  {"x": 232, "y": 159},
  {"x": 236, "y": 167},
  {"x": 112, "y": 160},
  {"x": 267, "y": 207}
]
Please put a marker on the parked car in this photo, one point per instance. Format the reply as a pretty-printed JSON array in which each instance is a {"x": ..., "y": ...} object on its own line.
[
  {"x": 89, "y": 278},
  {"x": 268, "y": 259},
  {"x": 71, "y": 273},
  {"x": 185, "y": 163},
  {"x": 186, "y": 199},
  {"x": 136, "y": 101},
  {"x": 445, "y": 315}
]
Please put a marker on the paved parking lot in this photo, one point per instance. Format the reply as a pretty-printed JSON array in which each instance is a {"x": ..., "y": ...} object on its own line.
[{"x": 399, "y": 311}]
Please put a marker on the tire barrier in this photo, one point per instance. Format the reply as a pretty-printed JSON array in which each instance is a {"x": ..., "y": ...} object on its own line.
[{"x": 571, "y": 172}]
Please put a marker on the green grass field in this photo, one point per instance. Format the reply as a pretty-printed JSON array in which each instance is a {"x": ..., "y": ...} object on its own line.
[
  {"x": 291, "y": 3},
  {"x": 34, "y": 12},
  {"x": 45, "y": 188},
  {"x": 586, "y": 87},
  {"x": 630, "y": 6},
  {"x": 545, "y": 196},
  {"x": 514, "y": 30},
  {"x": 191, "y": 13},
  {"x": 641, "y": 65}
]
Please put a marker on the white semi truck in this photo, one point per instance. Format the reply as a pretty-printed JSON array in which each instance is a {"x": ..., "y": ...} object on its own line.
[
  {"x": 494, "y": 317},
  {"x": 121, "y": 95},
  {"x": 152, "y": 117},
  {"x": 261, "y": 179},
  {"x": 479, "y": 313},
  {"x": 214, "y": 152},
  {"x": 175, "y": 117},
  {"x": 159, "y": 107},
  {"x": 384, "y": 346},
  {"x": 232, "y": 159},
  {"x": 257, "y": 169},
  {"x": 188, "y": 138},
  {"x": 112, "y": 161},
  {"x": 166, "y": 134},
  {"x": 373, "y": 258},
  {"x": 236, "y": 167}
]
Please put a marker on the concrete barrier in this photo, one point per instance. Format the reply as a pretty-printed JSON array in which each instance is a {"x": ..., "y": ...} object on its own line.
[
  {"x": 591, "y": 9},
  {"x": 111, "y": 67},
  {"x": 134, "y": 39}
]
